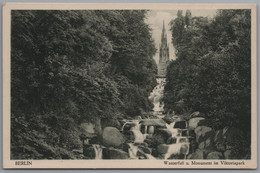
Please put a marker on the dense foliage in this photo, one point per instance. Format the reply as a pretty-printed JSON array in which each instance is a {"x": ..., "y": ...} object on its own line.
[
  {"x": 212, "y": 73},
  {"x": 69, "y": 67}
]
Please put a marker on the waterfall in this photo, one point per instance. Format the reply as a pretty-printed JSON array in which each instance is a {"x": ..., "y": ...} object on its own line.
[
  {"x": 170, "y": 126},
  {"x": 132, "y": 151},
  {"x": 98, "y": 151},
  {"x": 156, "y": 96}
]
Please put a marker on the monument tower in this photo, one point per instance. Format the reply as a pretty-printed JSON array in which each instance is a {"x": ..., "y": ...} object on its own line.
[{"x": 163, "y": 54}]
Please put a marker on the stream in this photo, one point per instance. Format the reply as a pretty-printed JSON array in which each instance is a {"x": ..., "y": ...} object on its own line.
[{"x": 145, "y": 132}]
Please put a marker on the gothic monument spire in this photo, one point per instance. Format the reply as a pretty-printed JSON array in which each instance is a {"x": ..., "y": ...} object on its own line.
[{"x": 164, "y": 54}]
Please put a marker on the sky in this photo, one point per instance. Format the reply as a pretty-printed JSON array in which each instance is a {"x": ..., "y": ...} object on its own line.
[{"x": 155, "y": 20}]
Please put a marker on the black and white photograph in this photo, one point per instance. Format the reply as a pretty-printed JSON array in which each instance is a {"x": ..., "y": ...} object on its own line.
[{"x": 170, "y": 86}]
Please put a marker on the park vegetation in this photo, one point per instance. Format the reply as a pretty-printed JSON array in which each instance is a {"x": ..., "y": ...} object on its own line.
[
  {"x": 69, "y": 67},
  {"x": 212, "y": 71}
]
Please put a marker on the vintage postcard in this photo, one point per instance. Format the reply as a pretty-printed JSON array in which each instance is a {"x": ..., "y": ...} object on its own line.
[{"x": 129, "y": 86}]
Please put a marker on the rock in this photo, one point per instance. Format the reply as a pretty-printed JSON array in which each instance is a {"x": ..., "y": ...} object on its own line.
[
  {"x": 112, "y": 153},
  {"x": 163, "y": 133},
  {"x": 197, "y": 114},
  {"x": 87, "y": 128},
  {"x": 112, "y": 137},
  {"x": 203, "y": 133},
  {"x": 89, "y": 151},
  {"x": 215, "y": 155},
  {"x": 193, "y": 123},
  {"x": 228, "y": 154},
  {"x": 146, "y": 150},
  {"x": 162, "y": 148},
  {"x": 160, "y": 137},
  {"x": 197, "y": 155}
]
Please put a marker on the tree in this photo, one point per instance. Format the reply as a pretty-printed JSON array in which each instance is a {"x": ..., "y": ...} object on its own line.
[
  {"x": 70, "y": 67},
  {"x": 212, "y": 71}
]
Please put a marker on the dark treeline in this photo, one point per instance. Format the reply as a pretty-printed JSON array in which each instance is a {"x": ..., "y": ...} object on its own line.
[
  {"x": 212, "y": 72},
  {"x": 69, "y": 67}
]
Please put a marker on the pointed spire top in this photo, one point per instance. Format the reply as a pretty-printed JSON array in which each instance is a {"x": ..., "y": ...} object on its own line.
[{"x": 163, "y": 26}]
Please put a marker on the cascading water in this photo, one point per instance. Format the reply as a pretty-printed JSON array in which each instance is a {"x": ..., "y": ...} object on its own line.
[
  {"x": 98, "y": 151},
  {"x": 179, "y": 147},
  {"x": 156, "y": 96},
  {"x": 177, "y": 144},
  {"x": 132, "y": 151}
]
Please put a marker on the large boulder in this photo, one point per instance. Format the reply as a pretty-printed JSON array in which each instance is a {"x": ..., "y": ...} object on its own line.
[
  {"x": 215, "y": 155},
  {"x": 203, "y": 133},
  {"x": 161, "y": 136},
  {"x": 112, "y": 137},
  {"x": 112, "y": 153},
  {"x": 198, "y": 154},
  {"x": 194, "y": 122},
  {"x": 162, "y": 148}
]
